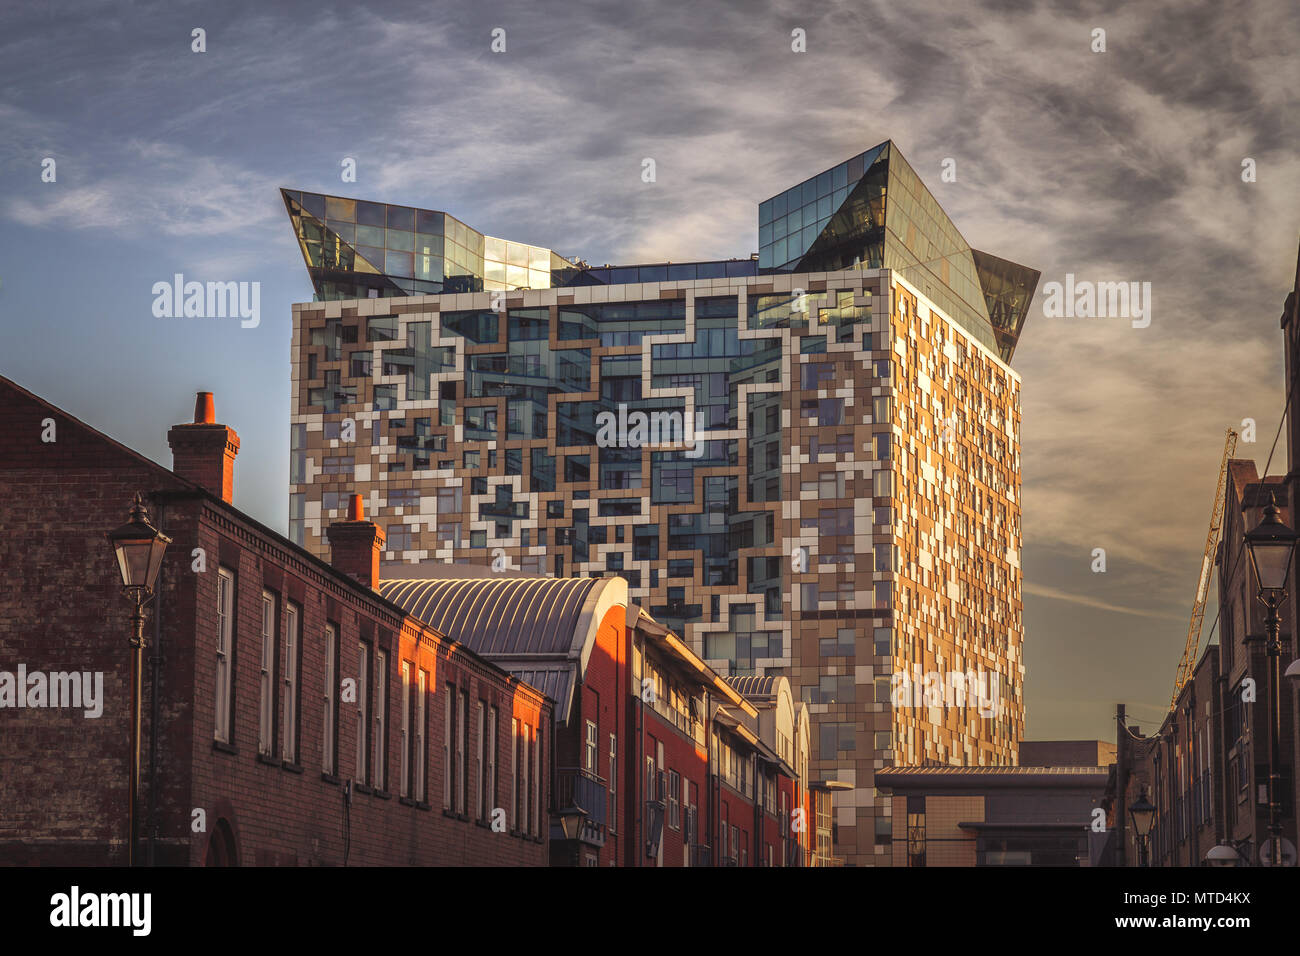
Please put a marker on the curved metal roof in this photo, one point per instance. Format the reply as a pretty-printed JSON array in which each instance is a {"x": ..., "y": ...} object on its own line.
[
  {"x": 754, "y": 686},
  {"x": 499, "y": 616}
]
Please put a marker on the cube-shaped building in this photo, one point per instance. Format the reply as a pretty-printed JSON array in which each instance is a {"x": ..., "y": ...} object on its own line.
[{"x": 805, "y": 462}]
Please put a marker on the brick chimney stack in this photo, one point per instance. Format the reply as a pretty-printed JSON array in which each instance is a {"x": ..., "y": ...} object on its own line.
[
  {"x": 355, "y": 545},
  {"x": 204, "y": 452}
]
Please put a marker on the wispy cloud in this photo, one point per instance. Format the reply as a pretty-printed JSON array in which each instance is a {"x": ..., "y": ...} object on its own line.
[{"x": 1056, "y": 594}]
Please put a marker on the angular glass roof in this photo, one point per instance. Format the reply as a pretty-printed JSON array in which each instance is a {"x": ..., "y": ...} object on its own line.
[
  {"x": 869, "y": 212},
  {"x": 872, "y": 212},
  {"x": 355, "y": 250}
]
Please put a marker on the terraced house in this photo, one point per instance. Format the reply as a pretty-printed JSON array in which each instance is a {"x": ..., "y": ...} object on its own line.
[{"x": 815, "y": 474}]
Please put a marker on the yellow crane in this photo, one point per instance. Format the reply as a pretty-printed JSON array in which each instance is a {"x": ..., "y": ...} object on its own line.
[{"x": 1188, "y": 663}]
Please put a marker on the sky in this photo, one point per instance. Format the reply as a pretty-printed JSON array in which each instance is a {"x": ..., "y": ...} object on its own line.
[{"x": 1117, "y": 165}]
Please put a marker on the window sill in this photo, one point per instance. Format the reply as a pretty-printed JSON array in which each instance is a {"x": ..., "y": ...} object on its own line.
[
  {"x": 421, "y": 805},
  {"x": 268, "y": 759},
  {"x": 290, "y": 766},
  {"x": 406, "y": 801},
  {"x": 330, "y": 778},
  {"x": 224, "y": 747},
  {"x": 361, "y": 788},
  {"x": 381, "y": 794}
]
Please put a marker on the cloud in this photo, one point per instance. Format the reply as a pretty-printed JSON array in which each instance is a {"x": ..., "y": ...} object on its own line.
[{"x": 1056, "y": 594}]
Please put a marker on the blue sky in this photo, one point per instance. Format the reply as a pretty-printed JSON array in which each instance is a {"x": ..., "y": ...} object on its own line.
[{"x": 1115, "y": 166}]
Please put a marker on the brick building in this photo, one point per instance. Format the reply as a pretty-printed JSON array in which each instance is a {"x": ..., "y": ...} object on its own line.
[
  {"x": 1206, "y": 769},
  {"x": 299, "y": 717},
  {"x": 661, "y": 761}
]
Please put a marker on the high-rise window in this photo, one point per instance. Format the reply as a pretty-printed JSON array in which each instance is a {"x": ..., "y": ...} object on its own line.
[
  {"x": 330, "y": 739},
  {"x": 292, "y": 662},
  {"x": 225, "y": 651},
  {"x": 266, "y": 709}
]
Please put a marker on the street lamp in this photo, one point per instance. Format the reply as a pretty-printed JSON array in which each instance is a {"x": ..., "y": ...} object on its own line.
[
  {"x": 1225, "y": 854},
  {"x": 571, "y": 820},
  {"x": 138, "y": 547},
  {"x": 1143, "y": 813},
  {"x": 1272, "y": 549}
]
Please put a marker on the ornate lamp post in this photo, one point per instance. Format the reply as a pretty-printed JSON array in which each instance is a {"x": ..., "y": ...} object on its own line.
[
  {"x": 138, "y": 547},
  {"x": 1143, "y": 813},
  {"x": 1272, "y": 549}
]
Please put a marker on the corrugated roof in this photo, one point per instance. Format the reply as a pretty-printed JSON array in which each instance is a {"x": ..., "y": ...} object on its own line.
[
  {"x": 754, "y": 686},
  {"x": 555, "y": 681},
  {"x": 499, "y": 616},
  {"x": 990, "y": 771},
  {"x": 541, "y": 630}
]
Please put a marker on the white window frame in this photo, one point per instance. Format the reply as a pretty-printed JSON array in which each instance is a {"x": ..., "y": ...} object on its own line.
[
  {"x": 525, "y": 788},
  {"x": 589, "y": 751},
  {"x": 462, "y": 768},
  {"x": 613, "y": 784},
  {"x": 514, "y": 773},
  {"x": 266, "y": 678},
  {"x": 422, "y": 691},
  {"x": 492, "y": 759},
  {"x": 329, "y": 756},
  {"x": 674, "y": 807},
  {"x": 448, "y": 775},
  {"x": 363, "y": 686},
  {"x": 289, "y": 731},
  {"x": 225, "y": 642},
  {"x": 536, "y": 817},
  {"x": 378, "y": 771},
  {"x": 480, "y": 760},
  {"x": 404, "y": 735}
]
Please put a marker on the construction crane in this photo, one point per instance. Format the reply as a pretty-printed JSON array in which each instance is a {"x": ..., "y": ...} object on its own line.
[{"x": 1188, "y": 663}]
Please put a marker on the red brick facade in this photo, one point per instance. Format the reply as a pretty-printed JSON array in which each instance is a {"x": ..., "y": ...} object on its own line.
[{"x": 62, "y": 485}]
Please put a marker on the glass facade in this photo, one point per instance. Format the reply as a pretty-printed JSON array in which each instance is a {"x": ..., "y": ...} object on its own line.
[
  {"x": 869, "y": 212},
  {"x": 356, "y": 250}
]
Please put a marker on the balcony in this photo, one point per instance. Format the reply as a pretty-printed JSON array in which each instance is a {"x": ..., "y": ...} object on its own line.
[
  {"x": 580, "y": 789},
  {"x": 701, "y": 855}
]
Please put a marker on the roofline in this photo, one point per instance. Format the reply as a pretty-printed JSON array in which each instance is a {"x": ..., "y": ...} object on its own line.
[
  {"x": 962, "y": 779},
  {"x": 191, "y": 490}
]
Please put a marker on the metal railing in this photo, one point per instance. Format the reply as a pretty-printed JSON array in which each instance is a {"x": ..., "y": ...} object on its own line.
[{"x": 578, "y": 788}]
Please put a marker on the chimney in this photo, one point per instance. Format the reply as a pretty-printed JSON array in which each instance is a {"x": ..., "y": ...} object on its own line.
[
  {"x": 355, "y": 545},
  {"x": 204, "y": 452}
]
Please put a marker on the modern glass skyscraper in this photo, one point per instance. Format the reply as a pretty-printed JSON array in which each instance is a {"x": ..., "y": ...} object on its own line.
[{"x": 805, "y": 463}]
